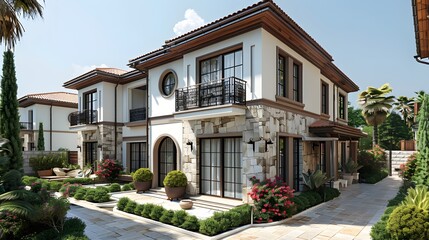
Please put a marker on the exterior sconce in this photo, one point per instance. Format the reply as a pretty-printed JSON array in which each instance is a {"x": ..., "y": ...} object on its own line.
[
  {"x": 314, "y": 145},
  {"x": 189, "y": 143},
  {"x": 268, "y": 142},
  {"x": 251, "y": 142},
  {"x": 100, "y": 146},
  {"x": 80, "y": 148}
]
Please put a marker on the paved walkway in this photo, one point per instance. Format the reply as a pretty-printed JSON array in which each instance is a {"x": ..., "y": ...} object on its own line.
[
  {"x": 103, "y": 224},
  {"x": 350, "y": 216}
]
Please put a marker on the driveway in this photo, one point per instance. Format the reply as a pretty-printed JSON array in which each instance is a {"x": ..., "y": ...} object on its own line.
[{"x": 349, "y": 216}]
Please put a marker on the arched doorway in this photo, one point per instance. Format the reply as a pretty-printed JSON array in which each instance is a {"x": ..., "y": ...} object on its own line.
[{"x": 167, "y": 157}]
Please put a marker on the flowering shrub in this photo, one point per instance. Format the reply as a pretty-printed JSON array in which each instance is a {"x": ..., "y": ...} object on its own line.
[
  {"x": 109, "y": 169},
  {"x": 10, "y": 224},
  {"x": 68, "y": 190},
  {"x": 272, "y": 199},
  {"x": 408, "y": 169}
]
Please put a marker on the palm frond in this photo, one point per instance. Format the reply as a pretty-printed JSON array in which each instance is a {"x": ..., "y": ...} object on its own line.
[
  {"x": 17, "y": 195},
  {"x": 18, "y": 207}
]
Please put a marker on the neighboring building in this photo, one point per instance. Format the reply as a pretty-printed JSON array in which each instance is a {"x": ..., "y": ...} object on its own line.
[
  {"x": 52, "y": 109},
  {"x": 251, "y": 94}
]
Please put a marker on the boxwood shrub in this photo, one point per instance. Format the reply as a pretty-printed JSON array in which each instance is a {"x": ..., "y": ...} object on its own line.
[
  {"x": 122, "y": 203},
  {"x": 130, "y": 207},
  {"x": 191, "y": 223},
  {"x": 167, "y": 216},
  {"x": 114, "y": 187},
  {"x": 179, "y": 218},
  {"x": 147, "y": 210}
]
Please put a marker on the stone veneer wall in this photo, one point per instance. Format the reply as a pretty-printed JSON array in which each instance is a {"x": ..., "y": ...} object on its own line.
[
  {"x": 29, "y": 154},
  {"x": 104, "y": 135},
  {"x": 259, "y": 121}
]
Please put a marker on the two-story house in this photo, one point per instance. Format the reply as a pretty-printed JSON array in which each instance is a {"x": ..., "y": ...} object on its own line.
[
  {"x": 52, "y": 110},
  {"x": 250, "y": 94}
]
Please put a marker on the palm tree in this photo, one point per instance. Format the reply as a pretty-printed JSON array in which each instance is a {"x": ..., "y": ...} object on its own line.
[
  {"x": 11, "y": 28},
  {"x": 405, "y": 106},
  {"x": 375, "y": 107}
]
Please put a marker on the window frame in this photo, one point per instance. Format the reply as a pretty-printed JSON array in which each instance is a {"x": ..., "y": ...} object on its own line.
[
  {"x": 220, "y": 56},
  {"x": 293, "y": 75},
  {"x": 324, "y": 98},
  {"x": 142, "y": 161},
  {"x": 161, "y": 83},
  {"x": 342, "y": 111}
]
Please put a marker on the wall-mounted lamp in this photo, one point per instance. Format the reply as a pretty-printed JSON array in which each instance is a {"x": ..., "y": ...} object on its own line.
[
  {"x": 268, "y": 142},
  {"x": 80, "y": 148},
  {"x": 100, "y": 146},
  {"x": 251, "y": 142},
  {"x": 314, "y": 145},
  {"x": 189, "y": 143}
]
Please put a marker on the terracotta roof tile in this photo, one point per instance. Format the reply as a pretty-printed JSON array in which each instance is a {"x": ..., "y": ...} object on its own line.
[
  {"x": 65, "y": 97},
  {"x": 115, "y": 71}
]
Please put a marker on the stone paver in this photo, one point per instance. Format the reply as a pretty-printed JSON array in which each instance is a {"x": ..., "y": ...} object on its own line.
[
  {"x": 103, "y": 224},
  {"x": 349, "y": 216}
]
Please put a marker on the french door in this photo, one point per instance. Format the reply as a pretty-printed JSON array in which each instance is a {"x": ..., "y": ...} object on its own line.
[
  {"x": 167, "y": 159},
  {"x": 90, "y": 154},
  {"x": 221, "y": 167}
]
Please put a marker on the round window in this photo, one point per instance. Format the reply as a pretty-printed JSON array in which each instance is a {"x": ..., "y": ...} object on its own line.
[{"x": 168, "y": 84}]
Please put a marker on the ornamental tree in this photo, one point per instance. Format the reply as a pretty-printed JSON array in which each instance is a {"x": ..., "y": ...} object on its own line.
[
  {"x": 41, "y": 139},
  {"x": 421, "y": 175}
]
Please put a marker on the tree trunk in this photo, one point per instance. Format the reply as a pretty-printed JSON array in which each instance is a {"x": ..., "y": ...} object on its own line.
[{"x": 375, "y": 136}]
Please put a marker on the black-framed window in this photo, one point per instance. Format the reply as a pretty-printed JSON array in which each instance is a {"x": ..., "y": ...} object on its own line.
[
  {"x": 297, "y": 164},
  {"x": 324, "y": 101},
  {"x": 296, "y": 89},
  {"x": 289, "y": 77},
  {"x": 282, "y": 76},
  {"x": 30, "y": 119},
  {"x": 138, "y": 157},
  {"x": 220, "y": 167},
  {"x": 283, "y": 157},
  {"x": 343, "y": 149},
  {"x": 90, "y": 100},
  {"x": 167, "y": 159},
  {"x": 342, "y": 106},
  {"x": 222, "y": 66},
  {"x": 168, "y": 84}
]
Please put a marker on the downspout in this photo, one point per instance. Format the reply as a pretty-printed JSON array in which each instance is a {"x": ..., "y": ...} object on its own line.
[
  {"x": 147, "y": 121},
  {"x": 418, "y": 59},
  {"x": 116, "y": 119},
  {"x": 50, "y": 128}
]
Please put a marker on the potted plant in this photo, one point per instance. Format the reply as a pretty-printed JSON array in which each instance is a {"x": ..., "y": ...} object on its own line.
[
  {"x": 142, "y": 179},
  {"x": 350, "y": 169},
  {"x": 175, "y": 184}
]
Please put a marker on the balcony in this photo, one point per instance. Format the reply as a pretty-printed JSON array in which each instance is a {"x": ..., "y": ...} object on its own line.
[
  {"x": 138, "y": 114},
  {"x": 26, "y": 125},
  {"x": 221, "y": 92},
  {"x": 83, "y": 117}
]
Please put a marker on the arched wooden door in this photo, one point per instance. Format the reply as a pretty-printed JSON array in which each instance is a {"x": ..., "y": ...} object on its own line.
[{"x": 167, "y": 157}]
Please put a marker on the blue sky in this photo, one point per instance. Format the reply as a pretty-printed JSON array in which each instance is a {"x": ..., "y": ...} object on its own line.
[{"x": 371, "y": 41}]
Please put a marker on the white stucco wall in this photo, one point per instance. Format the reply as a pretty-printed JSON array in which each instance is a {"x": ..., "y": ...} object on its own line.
[
  {"x": 157, "y": 132},
  {"x": 130, "y": 100}
]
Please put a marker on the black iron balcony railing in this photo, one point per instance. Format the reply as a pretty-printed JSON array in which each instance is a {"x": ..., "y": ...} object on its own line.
[
  {"x": 26, "y": 125},
  {"x": 138, "y": 114},
  {"x": 83, "y": 117},
  {"x": 225, "y": 91}
]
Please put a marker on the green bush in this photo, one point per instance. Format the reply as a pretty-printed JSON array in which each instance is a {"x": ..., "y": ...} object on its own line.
[
  {"x": 191, "y": 223},
  {"x": 82, "y": 181},
  {"x": 147, "y": 210},
  {"x": 11, "y": 180},
  {"x": 126, "y": 187},
  {"x": 312, "y": 197},
  {"x": 156, "y": 212},
  {"x": 179, "y": 218},
  {"x": 74, "y": 226},
  {"x": 68, "y": 190},
  {"x": 210, "y": 227},
  {"x": 101, "y": 195},
  {"x": 409, "y": 168},
  {"x": 408, "y": 222},
  {"x": 122, "y": 203},
  {"x": 143, "y": 175},
  {"x": 233, "y": 217},
  {"x": 167, "y": 216},
  {"x": 330, "y": 193},
  {"x": 90, "y": 195},
  {"x": 299, "y": 203},
  {"x": 378, "y": 230},
  {"x": 244, "y": 211},
  {"x": 139, "y": 209},
  {"x": 28, "y": 180},
  {"x": 175, "y": 178},
  {"x": 80, "y": 193},
  {"x": 48, "y": 161},
  {"x": 130, "y": 207},
  {"x": 114, "y": 187},
  {"x": 55, "y": 186}
]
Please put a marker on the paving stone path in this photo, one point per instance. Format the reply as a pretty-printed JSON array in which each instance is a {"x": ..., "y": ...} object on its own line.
[{"x": 349, "y": 216}]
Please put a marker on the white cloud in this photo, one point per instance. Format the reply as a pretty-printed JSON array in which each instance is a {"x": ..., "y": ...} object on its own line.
[
  {"x": 79, "y": 70},
  {"x": 192, "y": 20}
]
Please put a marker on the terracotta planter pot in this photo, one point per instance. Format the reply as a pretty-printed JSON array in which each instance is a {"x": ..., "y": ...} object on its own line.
[
  {"x": 142, "y": 186},
  {"x": 43, "y": 173},
  {"x": 349, "y": 177},
  {"x": 186, "y": 204},
  {"x": 175, "y": 192}
]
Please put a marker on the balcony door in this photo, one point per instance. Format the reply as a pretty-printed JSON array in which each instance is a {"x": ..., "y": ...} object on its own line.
[
  {"x": 90, "y": 106},
  {"x": 167, "y": 159},
  {"x": 221, "y": 168},
  {"x": 90, "y": 154}
]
